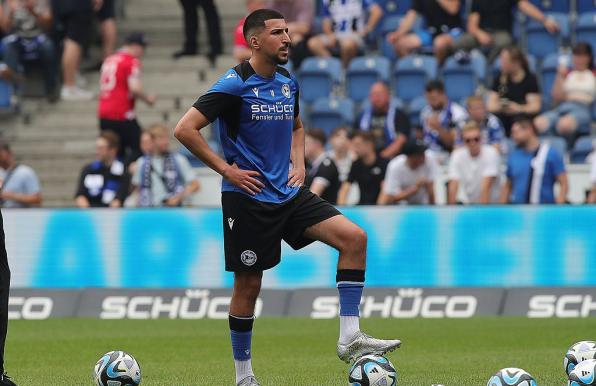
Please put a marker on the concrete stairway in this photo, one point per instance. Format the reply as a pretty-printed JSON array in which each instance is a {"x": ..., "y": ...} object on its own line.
[{"x": 57, "y": 140}]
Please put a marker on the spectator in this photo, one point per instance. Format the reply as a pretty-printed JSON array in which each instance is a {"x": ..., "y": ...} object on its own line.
[
  {"x": 299, "y": 17},
  {"x": 322, "y": 176},
  {"x": 147, "y": 149},
  {"x": 191, "y": 28},
  {"x": 440, "y": 119},
  {"x": 474, "y": 167},
  {"x": 368, "y": 171},
  {"x": 242, "y": 51},
  {"x": 120, "y": 86},
  {"x": 26, "y": 22},
  {"x": 104, "y": 182},
  {"x": 340, "y": 152},
  {"x": 443, "y": 27},
  {"x": 592, "y": 195},
  {"x": 575, "y": 89},
  {"x": 76, "y": 17},
  {"x": 492, "y": 130},
  {"x": 515, "y": 89},
  {"x": 533, "y": 169},
  {"x": 491, "y": 22},
  {"x": 410, "y": 176},
  {"x": 19, "y": 187},
  {"x": 164, "y": 178},
  {"x": 389, "y": 125},
  {"x": 345, "y": 28}
]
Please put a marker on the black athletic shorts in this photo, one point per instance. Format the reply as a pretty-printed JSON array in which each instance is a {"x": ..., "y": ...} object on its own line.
[
  {"x": 253, "y": 230},
  {"x": 107, "y": 11},
  {"x": 77, "y": 26}
]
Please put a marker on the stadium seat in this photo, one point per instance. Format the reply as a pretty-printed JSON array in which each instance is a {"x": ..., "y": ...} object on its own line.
[
  {"x": 585, "y": 6},
  {"x": 549, "y": 6},
  {"x": 395, "y": 7},
  {"x": 581, "y": 149},
  {"x": 329, "y": 113},
  {"x": 414, "y": 109},
  {"x": 557, "y": 143},
  {"x": 363, "y": 72},
  {"x": 411, "y": 74},
  {"x": 585, "y": 30},
  {"x": 318, "y": 76},
  {"x": 547, "y": 75},
  {"x": 6, "y": 94},
  {"x": 462, "y": 79},
  {"x": 540, "y": 42}
]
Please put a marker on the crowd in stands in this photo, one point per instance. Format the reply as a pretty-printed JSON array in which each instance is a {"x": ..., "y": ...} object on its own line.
[{"x": 391, "y": 92}]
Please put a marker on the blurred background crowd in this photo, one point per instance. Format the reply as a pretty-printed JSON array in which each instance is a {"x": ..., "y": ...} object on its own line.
[{"x": 404, "y": 101}]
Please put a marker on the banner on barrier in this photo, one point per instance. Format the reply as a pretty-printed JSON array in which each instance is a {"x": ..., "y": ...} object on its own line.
[{"x": 315, "y": 303}]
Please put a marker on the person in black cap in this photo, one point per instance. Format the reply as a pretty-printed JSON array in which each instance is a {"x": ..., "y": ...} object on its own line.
[
  {"x": 410, "y": 176},
  {"x": 120, "y": 87}
]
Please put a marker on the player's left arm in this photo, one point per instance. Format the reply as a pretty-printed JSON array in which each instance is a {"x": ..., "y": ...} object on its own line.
[{"x": 298, "y": 172}]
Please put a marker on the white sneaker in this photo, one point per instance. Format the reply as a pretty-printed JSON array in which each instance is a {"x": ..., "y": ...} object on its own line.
[
  {"x": 80, "y": 80},
  {"x": 74, "y": 93},
  {"x": 248, "y": 381},
  {"x": 364, "y": 344}
]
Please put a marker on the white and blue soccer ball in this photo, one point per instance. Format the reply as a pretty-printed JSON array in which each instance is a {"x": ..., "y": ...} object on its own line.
[
  {"x": 584, "y": 374},
  {"x": 578, "y": 353},
  {"x": 117, "y": 368},
  {"x": 372, "y": 370},
  {"x": 511, "y": 376}
]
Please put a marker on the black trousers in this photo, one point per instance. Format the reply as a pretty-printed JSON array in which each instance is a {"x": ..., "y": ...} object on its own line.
[
  {"x": 191, "y": 25},
  {"x": 129, "y": 132},
  {"x": 4, "y": 288}
]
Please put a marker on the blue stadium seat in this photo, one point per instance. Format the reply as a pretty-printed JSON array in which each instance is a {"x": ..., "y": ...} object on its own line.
[
  {"x": 585, "y": 6},
  {"x": 318, "y": 76},
  {"x": 557, "y": 143},
  {"x": 540, "y": 42},
  {"x": 547, "y": 75},
  {"x": 585, "y": 29},
  {"x": 363, "y": 72},
  {"x": 460, "y": 79},
  {"x": 395, "y": 7},
  {"x": 594, "y": 111},
  {"x": 6, "y": 94},
  {"x": 390, "y": 24},
  {"x": 581, "y": 149},
  {"x": 411, "y": 74},
  {"x": 329, "y": 113},
  {"x": 414, "y": 109},
  {"x": 549, "y": 6}
]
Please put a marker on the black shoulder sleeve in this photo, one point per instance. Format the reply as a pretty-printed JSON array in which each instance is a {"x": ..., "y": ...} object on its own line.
[
  {"x": 213, "y": 104},
  {"x": 297, "y": 103}
]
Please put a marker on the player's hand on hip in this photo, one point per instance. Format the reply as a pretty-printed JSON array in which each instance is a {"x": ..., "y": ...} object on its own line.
[
  {"x": 244, "y": 179},
  {"x": 296, "y": 177}
]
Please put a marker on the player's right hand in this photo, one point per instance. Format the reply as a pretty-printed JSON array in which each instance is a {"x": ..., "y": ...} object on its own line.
[{"x": 244, "y": 179}]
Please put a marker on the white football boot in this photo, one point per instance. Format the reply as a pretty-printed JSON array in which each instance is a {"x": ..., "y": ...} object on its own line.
[{"x": 363, "y": 344}]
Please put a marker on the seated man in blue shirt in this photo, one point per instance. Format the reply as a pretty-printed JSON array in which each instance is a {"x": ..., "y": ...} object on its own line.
[{"x": 533, "y": 169}]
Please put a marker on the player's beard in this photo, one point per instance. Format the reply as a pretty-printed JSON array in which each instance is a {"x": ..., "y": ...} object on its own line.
[{"x": 279, "y": 59}]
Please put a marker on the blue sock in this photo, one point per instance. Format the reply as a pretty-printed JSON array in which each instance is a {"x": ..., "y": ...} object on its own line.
[
  {"x": 350, "y": 284},
  {"x": 241, "y": 335}
]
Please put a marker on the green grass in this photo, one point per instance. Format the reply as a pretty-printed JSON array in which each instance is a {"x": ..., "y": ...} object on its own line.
[{"x": 291, "y": 351}]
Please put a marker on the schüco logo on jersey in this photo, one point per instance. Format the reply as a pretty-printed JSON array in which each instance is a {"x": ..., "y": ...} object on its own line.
[
  {"x": 272, "y": 112},
  {"x": 194, "y": 304},
  {"x": 408, "y": 303}
]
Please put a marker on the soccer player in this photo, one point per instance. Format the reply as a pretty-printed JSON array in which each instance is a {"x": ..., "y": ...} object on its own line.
[
  {"x": 263, "y": 200},
  {"x": 4, "y": 288}
]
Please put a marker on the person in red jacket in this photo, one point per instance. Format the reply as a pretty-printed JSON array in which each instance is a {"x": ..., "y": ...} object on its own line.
[{"x": 120, "y": 87}]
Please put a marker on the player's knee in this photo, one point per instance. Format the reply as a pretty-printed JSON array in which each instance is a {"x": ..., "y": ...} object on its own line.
[
  {"x": 566, "y": 125},
  {"x": 358, "y": 239}
]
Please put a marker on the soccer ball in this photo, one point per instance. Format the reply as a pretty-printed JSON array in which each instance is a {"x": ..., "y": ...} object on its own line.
[
  {"x": 579, "y": 352},
  {"x": 511, "y": 377},
  {"x": 583, "y": 374},
  {"x": 372, "y": 370},
  {"x": 117, "y": 368}
]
